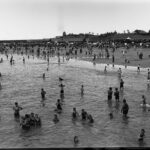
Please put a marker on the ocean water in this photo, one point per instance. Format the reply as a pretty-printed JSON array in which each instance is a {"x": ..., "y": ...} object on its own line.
[{"x": 23, "y": 83}]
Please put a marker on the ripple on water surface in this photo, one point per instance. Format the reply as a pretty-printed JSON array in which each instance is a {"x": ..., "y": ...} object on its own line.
[{"x": 23, "y": 82}]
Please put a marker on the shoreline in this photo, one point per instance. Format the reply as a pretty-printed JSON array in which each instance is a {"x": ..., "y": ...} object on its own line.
[
  {"x": 145, "y": 63},
  {"x": 108, "y": 61}
]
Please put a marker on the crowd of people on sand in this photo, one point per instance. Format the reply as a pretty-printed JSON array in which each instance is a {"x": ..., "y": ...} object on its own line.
[{"x": 33, "y": 120}]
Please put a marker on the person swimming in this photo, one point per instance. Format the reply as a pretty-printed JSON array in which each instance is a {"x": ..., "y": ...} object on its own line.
[{"x": 17, "y": 109}]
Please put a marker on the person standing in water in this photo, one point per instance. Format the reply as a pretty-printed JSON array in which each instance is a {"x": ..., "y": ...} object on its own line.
[
  {"x": 23, "y": 60},
  {"x": 110, "y": 92},
  {"x": 116, "y": 94},
  {"x": 105, "y": 69},
  {"x": 0, "y": 86},
  {"x": 43, "y": 75},
  {"x": 82, "y": 90},
  {"x": 143, "y": 100},
  {"x": 119, "y": 73},
  {"x": 148, "y": 77},
  {"x": 55, "y": 120},
  {"x": 17, "y": 109},
  {"x": 43, "y": 93},
  {"x": 142, "y": 135},
  {"x": 125, "y": 108},
  {"x": 138, "y": 68},
  {"x": 121, "y": 84},
  {"x": 113, "y": 60},
  {"x": 62, "y": 89},
  {"x": 75, "y": 114}
]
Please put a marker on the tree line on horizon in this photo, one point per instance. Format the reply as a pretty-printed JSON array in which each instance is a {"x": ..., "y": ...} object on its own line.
[{"x": 137, "y": 32}]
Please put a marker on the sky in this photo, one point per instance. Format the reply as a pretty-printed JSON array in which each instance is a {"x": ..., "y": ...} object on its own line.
[{"x": 38, "y": 19}]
